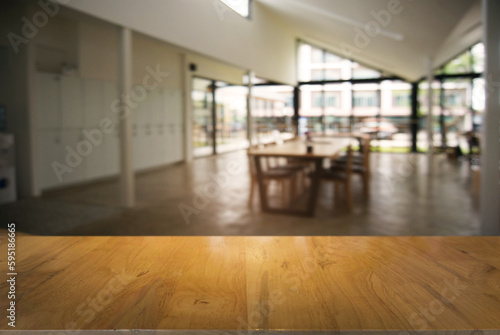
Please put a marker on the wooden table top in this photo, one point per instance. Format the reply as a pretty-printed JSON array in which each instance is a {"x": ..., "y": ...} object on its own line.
[
  {"x": 342, "y": 135},
  {"x": 298, "y": 149},
  {"x": 384, "y": 284}
]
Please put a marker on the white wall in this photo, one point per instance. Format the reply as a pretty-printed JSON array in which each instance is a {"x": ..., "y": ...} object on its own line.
[
  {"x": 157, "y": 121},
  {"x": 49, "y": 111},
  {"x": 97, "y": 50},
  {"x": 263, "y": 43},
  {"x": 69, "y": 106},
  {"x": 208, "y": 68}
]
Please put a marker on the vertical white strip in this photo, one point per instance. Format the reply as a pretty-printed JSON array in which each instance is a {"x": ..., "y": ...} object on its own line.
[
  {"x": 187, "y": 108},
  {"x": 249, "y": 108},
  {"x": 490, "y": 147},
  {"x": 127, "y": 182},
  {"x": 430, "y": 115}
]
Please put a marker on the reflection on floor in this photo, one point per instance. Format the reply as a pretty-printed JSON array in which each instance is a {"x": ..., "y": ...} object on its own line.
[{"x": 404, "y": 201}]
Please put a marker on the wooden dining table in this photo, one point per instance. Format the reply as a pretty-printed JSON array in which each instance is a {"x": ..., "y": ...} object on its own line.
[
  {"x": 232, "y": 285},
  {"x": 297, "y": 149},
  {"x": 356, "y": 135}
]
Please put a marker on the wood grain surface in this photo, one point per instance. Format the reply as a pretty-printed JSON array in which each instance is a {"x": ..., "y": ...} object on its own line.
[{"x": 242, "y": 283}]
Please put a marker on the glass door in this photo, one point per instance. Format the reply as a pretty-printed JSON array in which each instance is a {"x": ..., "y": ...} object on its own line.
[
  {"x": 219, "y": 117},
  {"x": 202, "y": 98},
  {"x": 231, "y": 117}
]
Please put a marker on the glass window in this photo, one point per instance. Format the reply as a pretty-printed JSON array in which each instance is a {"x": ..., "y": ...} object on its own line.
[
  {"x": 331, "y": 58},
  {"x": 317, "y": 55},
  {"x": 241, "y": 7},
  {"x": 277, "y": 115},
  {"x": 324, "y": 65},
  {"x": 401, "y": 98},
  {"x": 454, "y": 98},
  {"x": 325, "y": 74},
  {"x": 201, "y": 96},
  {"x": 317, "y": 98},
  {"x": 329, "y": 107},
  {"x": 332, "y": 74},
  {"x": 478, "y": 57},
  {"x": 317, "y": 74},
  {"x": 365, "y": 99},
  {"x": 332, "y": 99},
  {"x": 361, "y": 72},
  {"x": 466, "y": 62}
]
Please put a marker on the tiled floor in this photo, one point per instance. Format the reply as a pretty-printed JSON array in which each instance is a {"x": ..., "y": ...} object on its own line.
[{"x": 404, "y": 201}]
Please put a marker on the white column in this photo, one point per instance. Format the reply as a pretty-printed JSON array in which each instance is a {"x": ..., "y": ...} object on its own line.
[
  {"x": 188, "y": 112},
  {"x": 250, "y": 75},
  {"x": 430, "y": 115},
  {"x": 490, "y": 148},
  {"x": 127, "y": 182}
]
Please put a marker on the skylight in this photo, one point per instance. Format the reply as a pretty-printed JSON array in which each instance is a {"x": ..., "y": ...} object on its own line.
[{"x": 241, "y": 7}]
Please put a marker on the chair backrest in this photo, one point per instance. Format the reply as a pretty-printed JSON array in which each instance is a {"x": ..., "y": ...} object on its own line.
[
  {"x": 265, "y": 162},
  {"x": 271, "y": 162}
]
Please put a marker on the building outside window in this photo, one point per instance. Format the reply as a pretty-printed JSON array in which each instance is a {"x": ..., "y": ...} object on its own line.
[
  {"x": 345, "y": 105},
  {"x": 331, "y": 99},
  {"x": 401, "y": 98},
  {"x": 318, "y": 99},
  {"x": 274, "y": 112},
  {"x": 454, "y": 98},
  {"x": 365, "y": 99}
]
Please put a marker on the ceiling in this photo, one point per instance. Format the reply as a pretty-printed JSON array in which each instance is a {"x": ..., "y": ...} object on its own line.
[{"x": 402, "y": 40}]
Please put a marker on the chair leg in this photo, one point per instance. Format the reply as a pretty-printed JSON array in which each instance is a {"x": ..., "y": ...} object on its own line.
[
  {"x": 348, "y": 195},
  {"x": 283, "y": 193},
  {"x": 336, "y": 189},
  {"x": 335, "y": 193},
  {"x": 366, "y": 184},
  {"x": 303, "y": 177},
  {"x": 266, "y": 186},
  {"x": 252, "y": 190},
  {"x": 293, "y": 187}
]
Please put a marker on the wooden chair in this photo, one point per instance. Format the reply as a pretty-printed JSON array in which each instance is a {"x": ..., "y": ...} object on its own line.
[
  {"x": 360, "y": 165},
  {"x": 341, "y": 176},
  {"x": 291, "y": 165},
  {"x": 281, "y": 176}
]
